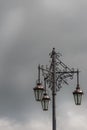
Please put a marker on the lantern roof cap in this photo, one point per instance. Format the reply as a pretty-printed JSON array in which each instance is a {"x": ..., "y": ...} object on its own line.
[
  {"x": 39, "y": 86},
  {"x": 78, "y": 90},
  {"x": 46, "y": 97}
]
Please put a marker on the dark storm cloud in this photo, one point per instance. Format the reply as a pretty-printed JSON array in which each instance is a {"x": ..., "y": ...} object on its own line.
[{"x": 15, "y": 81}]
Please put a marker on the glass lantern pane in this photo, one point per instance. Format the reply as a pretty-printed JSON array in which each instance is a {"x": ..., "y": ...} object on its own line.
[
  {"x": 77, "y": 98},
  {"x": 45, "y": 104},
  {"x": 38, "y": 94}
]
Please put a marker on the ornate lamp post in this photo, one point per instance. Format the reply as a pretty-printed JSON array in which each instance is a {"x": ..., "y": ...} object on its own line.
[{"x": 54, "y": 77}]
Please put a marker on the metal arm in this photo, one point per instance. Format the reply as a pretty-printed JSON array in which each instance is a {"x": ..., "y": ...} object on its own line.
[{"x": 78, "y": 79}]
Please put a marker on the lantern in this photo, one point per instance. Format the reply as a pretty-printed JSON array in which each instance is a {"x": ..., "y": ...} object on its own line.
[
  {"x": 38, "y": 90},
  {"x": 45, "y": 102},
  {"x": 78, "y": 96}
]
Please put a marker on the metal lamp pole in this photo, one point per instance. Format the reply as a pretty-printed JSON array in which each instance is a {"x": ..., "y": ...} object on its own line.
[
  {"x": 54, "y": 90},
  {"x": 54, "y": 77}
]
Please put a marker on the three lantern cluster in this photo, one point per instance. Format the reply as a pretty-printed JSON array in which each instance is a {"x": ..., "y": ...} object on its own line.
[{"x": 42, "y": 96}]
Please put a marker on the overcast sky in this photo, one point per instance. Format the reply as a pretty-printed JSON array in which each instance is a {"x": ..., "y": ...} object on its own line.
[{"x": 29, "y": 29}]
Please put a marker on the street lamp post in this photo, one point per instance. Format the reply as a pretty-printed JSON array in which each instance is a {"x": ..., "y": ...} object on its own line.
[{"x": 54, "y": 77}]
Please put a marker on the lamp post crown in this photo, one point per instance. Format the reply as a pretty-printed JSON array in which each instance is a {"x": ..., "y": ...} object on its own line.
[{"x": 53, "y": 51}]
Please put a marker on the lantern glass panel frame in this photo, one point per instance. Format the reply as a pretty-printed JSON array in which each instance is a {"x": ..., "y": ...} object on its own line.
[
  {"x": 78, "y": 96},
  {"x": 45, "y": 102},
  {"x": 38, "y": 91}
]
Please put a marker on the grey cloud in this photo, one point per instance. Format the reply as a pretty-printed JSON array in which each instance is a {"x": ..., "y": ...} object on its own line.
[
  {"x": 13, "y": 91},
  {"x": 30, "y": 44}
]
